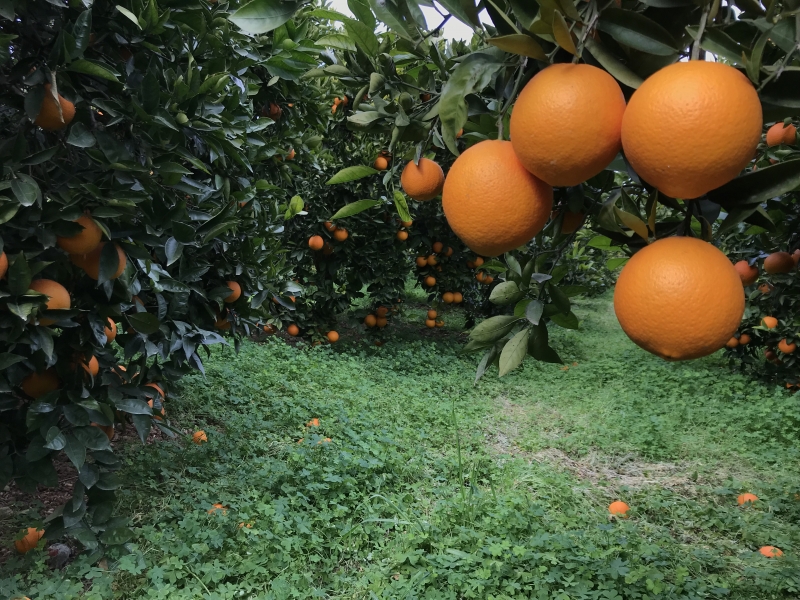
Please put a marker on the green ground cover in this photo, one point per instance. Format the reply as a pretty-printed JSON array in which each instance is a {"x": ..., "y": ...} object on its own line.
[{"x": 432, "y": 488}]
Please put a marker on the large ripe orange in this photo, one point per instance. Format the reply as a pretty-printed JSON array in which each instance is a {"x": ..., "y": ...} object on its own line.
[
  {"x": 619, "y": 508},
  {"x": 370, "y": 321},
  {"x": 36, "y": 385},
  {"x": 381, "y": 164},
  {"x": 692, "y": 127},
  {"x": 778, "y": 134},
  {"x": 84, "y": 242},
  {"x": 491, "y": 202},
  {"x": 565, "y": 126},
  {"x": 779, "y": 262},
  {"x": 770, "y": 551},
  {"x": 315, "y": 242},
  {"x": 90, "y": 262},
  {"x": 746, "y": 498},
  {"x": 48, "y": 117},
  {"x": 786, "y": 347},
  {"x": 340, "y": 235},
  {"x": 58, "y": 296},
  {"x": 92, "y": 367},
  {"x": 423, "y": 181},
  {"x": 747, "y": 273},
  {"x": 679, "y": 298}
]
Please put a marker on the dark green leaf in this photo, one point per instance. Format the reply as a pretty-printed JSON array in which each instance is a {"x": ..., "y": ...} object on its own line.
[
  {"x": 521, "y": 44},
  {"x": 7, "y": 359},
  {"x": 514, "y": 352},
  {"x": 262, "y": 16},
  {"x": 402, "y": 206},
  {"x": 612, "y": 64},
  {"x": 19, "y": 275},
  {"x": 533, "y": 311},
  {"x": 145, "y": 323},
  {"x": 94, "y": 68},
  {"x": 351, "y": 174},
  {"x": 363, "y": 36},
  {"x": 493, "y": 328},
  {"x": 354, "y": 208},
  {"x": 637, "y": 31},
  {"x": 757, "y": 186},
  {"x": 505, "y": 293}
]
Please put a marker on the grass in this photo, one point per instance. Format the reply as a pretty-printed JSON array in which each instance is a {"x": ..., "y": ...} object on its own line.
[{"x": 432, "y": 488}]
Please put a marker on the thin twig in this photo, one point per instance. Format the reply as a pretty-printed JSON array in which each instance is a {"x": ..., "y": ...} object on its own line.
[
  {"x": 587, "y": 29},
  {"x": 510, "y": 99},
  {"x": 700, "y": 29},
  {"x": 786, "y": 60}
]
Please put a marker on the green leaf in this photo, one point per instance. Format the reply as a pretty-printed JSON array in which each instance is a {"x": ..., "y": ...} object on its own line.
[
  {"x": 471, "y": 75},
  {"x": 612, "y": 64},
  {"x": 262, "y": 16},
  {"x": 493, "y": 328},
  {"x": 133, "y": 406},
  {"x": 637, "y": 31},
  {"x": 362, "y": 12},
  {"x": 568, "y": 321},
  {"x": 562, "y": 34},
  {"x": 132, "y": 17},
  {"x": 173, "y": 249},
  {"x": 559, "y": 298},
  {"x": 402, "y": 206},
  {"x": 95, "y": 69},
  {"x": 758, "y": 186},
  {"x": 600, "y": 241},
  {"x": 521, "y": 44},
  {"x": 109, "y": 263},
  {"x": 351, "y": 174},
  {"x": 488, "y": 359},
  {"x": 632, "y": 222},
  {"x": 363, "y": 36},
  {"x": 80, "y": 136},
  {"x": 720, "y": 43},
  {"x": 26, "y": 189},
  {"x": 326, "y": 13},
  {"x": 338, "y": 41},
  {"x": 354, "y": 208},
  {"x": 144, "y": 322},
  {"x": 538, "y": 345},
  {"x": 7, "y": 359},
  {"x": 754, "y": 63},
  {"x": 613, "y": 263},
  {"x": 388, "y": 13},
  {"x": 504, "y": 293},
  {"x": 514, "y": 352},
  {"x": 18, "y": 275},
  {"x": 337, "y": 70},
  {"x": 533, "y": 312}
]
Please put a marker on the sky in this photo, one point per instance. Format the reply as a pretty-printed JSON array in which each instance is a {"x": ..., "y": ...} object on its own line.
[{"x": 453, "y": 29}]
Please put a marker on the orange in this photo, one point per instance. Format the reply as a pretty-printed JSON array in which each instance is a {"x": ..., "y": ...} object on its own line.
[
  {"x": 460, "y": 133},
  {"x": 111, "y": 330},
  {"x": 236, "y": 291},
  {"x": 222, "y": 323},
  {"x": 769, "y": 322},
  {"x": 381, "y": 322},
  {"x": 333, "y": 112},
  {"x": 437, "y": 247},
  {"x": 370, "y": 321},
  {"x": 293, "y": 329},
  {"x": 431, "y": 261},
  {"x": 779, "y": 262},
  {"x": 488, "y": 279},
  {"x": 439, "y": 323},
  {"x": 448, "y": 251},
  {"x": 37, "y": 385},
  {"x": 430, "y": 323},
  {"x": 48, "y": 117},
  {"x": 83, "y": 242},
  {"x": 199, "y": 437},
  {"x": 329, "y": 226},
  {"x": 432, "y": 314},
  {"x": 382, "y": 311},
  {"x": 291, "y": 154},
  {"x": 340, "y": 235},
  {"x": 92, "y": 367},
  {"x": 90, "y": 262},
  {"x": 313, "y": 422},
  {"x": 410, "y": 223},
  {"x": 333, "y": 337},
  {"x": 29, "y": 541},
  {"x": 478, "y": 261},
  {"x": 421, "y": 261},
  {"x": 779, "y": 134},
  {"x": 315, "y": 242},
  {"x": 786, "y": 347},
  {"x": 747, "y": 273},
  {"x": 381, "y": 164},
  {"x": 274, "y": 111},
  {"x": 402, "y": 235},
  {"x": 430, "y": 281},
  {"x": 692, "y": 127},
  {"x": 157, "y": 388},
  {"x": 770, "y": 355},
  {"x": 345, "y": 100},
  {"x": 491, "y": 202},
  {"x": 679, "y": 298},
  {"x": 107, "y": 429},
  {"x": 565, "y": 126},
  {"x": 746, "y": 498},
  {"x": 337, "y": 101},
  {"x": 619, "y": 508},
  {"x": 215, "y": 507},
  {"x": 481, "y": 276},
  {"x": 423, "y": 181},
  {"x": 448, "y": 297},
  {"x": 765, "y": 288},
  {"x": 3, "y": 264},
  {"x": 770, "y": 551},
  {"x": 572, "y": 221},
  {"x": 458, "y": 297},
  {"x": 744, "y": 339},
  {"x": 58, "y": 296},
  {"x": 732, "y": 343}
]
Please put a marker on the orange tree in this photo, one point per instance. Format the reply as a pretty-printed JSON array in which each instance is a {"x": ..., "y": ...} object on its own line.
[
  {"x": 607, "y": 127},
  {"x": 140, "y": 208}
]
